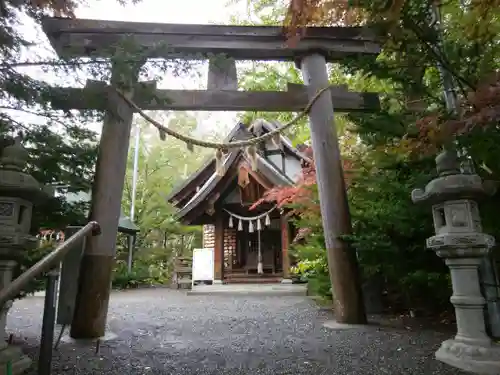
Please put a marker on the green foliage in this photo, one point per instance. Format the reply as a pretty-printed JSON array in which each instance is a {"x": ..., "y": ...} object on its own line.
[
  {"x": 62, "y": 146},
  {"x": 25, "y": 259},
  {"x": 162, "y": 165},
  {"x": 144, "y": 273},
  {"x": 389, "y": 234},
  {"x": 389, "y": 231}
]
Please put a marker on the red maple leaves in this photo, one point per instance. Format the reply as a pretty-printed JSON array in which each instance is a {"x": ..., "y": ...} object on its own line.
[
  {"x": 302, "y": 197},
  {"x": 479, "y": 111}
]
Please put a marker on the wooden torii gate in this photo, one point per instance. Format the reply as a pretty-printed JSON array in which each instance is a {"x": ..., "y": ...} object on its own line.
[{"x": 74, "y": 38}]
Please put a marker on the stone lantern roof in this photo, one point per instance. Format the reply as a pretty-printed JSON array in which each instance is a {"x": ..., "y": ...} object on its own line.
[
  {"x": 451, "y": 183},
  {"x": 14, "y": 182}
]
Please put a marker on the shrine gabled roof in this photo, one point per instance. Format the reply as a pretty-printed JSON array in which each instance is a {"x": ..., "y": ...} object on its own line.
[
  {"x": 209, "y": 186},
  {"x": 239, "y": 132},
  {"x": 209, "y": 163},
  {"x": 212, "y": 185},
  {"x": 215, "y": 183},
  {"x": 262, "y": 126}
]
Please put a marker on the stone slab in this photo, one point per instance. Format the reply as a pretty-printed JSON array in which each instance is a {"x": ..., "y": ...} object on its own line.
[
  {"x": 470, "y": 358},
  {"x": 334, "y": 325},
  {"x": 250, "y": 289},
  {"x": 67, "y": 339}
]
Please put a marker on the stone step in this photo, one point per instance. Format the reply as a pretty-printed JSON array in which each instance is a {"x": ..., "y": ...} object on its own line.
[
  {"x": 252, "y": 280},
  {"x": 271, "y": 289},
  {"x": 231, "y": 275}
]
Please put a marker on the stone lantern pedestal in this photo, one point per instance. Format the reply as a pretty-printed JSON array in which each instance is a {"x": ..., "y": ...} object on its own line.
[
  {"x": 18, "y": 192},
  {"x": 460, "y": 242}
]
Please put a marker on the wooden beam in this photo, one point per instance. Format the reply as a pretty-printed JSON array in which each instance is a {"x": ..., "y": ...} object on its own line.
[
  {"x": 85, "y": 37},
  {"x": 293, "y": 100}
]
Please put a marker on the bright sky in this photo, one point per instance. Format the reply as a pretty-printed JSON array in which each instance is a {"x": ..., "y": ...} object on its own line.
[{"x": 162, "y": 11}]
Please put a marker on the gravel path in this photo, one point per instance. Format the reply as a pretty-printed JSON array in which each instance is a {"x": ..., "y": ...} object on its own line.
[{"x": 161, "y": 331}]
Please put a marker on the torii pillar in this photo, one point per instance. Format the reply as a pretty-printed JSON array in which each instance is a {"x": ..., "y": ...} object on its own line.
[
  {"x": 94, "y": 286},
  {"x": 342, "y": 262}
]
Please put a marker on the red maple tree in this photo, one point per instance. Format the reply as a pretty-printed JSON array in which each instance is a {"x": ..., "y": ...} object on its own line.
[
  {"x": 479, "y": 110},
  {"x": 301, "y": 197}
]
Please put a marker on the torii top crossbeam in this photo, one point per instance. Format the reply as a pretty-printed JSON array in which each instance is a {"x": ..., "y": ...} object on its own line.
[{"x": 85, "y": 37}]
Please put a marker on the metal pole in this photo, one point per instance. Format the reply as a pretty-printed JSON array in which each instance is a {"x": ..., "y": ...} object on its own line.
[
  {"x": 135, "y": 171},
  {"x": 132, "y": 200},
  {"x": 449, "y": 93},
  {"x": 130, "y": 243},
  {"x": 49, "y": 322}
]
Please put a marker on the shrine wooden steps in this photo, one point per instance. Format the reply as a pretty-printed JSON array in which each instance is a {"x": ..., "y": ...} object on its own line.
[{"x": 244, "y": 278}]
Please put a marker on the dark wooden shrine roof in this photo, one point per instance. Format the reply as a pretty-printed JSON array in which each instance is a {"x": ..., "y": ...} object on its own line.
[
  {"x": 208, "y": 166},
  {"x": 212, "y": 184},
  {"x": 87, "y": 37}
]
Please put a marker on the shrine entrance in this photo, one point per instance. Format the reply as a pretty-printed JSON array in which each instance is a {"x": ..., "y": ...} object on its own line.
[
  {"x": 249, "y": 245},
  {"x": 222, "y": 46},
  {"x": 256, "y": 255}
]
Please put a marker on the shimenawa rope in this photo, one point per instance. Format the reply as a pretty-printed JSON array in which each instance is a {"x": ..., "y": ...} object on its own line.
[{"x": 216, "y": 145}]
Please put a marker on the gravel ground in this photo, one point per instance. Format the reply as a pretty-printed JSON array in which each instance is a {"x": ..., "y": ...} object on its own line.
[{"x": 162, "y": 331}]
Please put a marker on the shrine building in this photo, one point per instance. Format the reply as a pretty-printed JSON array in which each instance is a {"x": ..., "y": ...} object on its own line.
[{"x": 250, "y": 245}]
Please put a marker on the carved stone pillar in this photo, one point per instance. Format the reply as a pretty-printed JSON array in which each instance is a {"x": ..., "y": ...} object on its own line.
[
  {"x": 18, "y": 192},
  {"x": 460, "y": 241}
]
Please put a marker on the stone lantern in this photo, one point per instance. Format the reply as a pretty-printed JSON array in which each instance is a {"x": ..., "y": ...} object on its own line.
[
  {"x": 18, "y": 192},
  {"x": 460, "y": 241}
]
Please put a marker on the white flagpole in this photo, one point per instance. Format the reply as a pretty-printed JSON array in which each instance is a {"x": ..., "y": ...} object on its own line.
[{"x": 132, "y": 198}]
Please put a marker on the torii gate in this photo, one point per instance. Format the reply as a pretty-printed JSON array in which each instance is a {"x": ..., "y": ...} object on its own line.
[{"x": 73, "y": 38}]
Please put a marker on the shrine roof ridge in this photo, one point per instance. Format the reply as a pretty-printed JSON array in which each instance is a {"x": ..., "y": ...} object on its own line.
[
  {"x": 209, "y": 160},
  {"x": 86, "y": 37}
]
